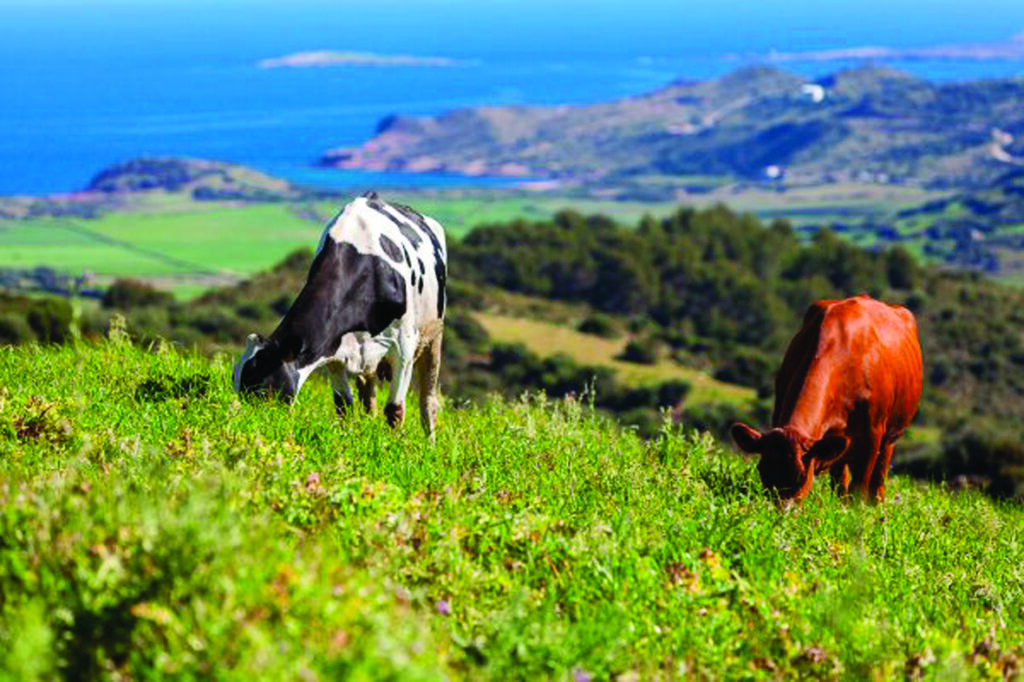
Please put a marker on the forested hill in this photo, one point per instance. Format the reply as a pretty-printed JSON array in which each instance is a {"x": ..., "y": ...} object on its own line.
[
  {"x": 867, "y": 123},
  {"x": 713, "y": 282}
]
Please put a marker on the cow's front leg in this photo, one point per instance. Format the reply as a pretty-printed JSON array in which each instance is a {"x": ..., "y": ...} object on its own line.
[
  {"x": 341, "y": 389},
  {"x": 401, "y": 378},
  {"x": 367, "y": 388},
  {"x": 841, "y": 477}
]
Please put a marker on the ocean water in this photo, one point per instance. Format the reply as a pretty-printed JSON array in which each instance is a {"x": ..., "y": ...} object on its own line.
[{"x": 86, "y": 84}]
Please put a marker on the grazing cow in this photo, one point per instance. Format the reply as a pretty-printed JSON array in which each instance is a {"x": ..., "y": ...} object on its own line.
[
  {"x": 848, "y": 388},
  {"x": 373, "y": 304}
]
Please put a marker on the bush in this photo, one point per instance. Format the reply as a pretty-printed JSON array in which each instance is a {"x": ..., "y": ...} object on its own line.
[
  {"x": 988, "y": 451},
  {"x": 747, "y": 367},
  {"x": 127, "y": 294},
  {"x": 641, "y": 352},
  {"x": 50, "y": 319},
  {"x": 14, "y": 329},
  {"x": 34, "y": 319},
  {"x": 672, "y": 393},
  {"x": 597, "y": 324},
  {"x": 468, "y": 330}
]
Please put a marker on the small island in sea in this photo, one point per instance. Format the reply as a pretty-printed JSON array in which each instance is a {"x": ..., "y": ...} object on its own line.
[{"x": 319, "y": 58}]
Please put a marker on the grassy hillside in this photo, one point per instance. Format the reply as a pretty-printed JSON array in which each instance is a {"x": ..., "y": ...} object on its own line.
[
  {"x": 868, "y": 124},
  {"x": 151, "y": 525},
  {"x": 546, "y": 339}
]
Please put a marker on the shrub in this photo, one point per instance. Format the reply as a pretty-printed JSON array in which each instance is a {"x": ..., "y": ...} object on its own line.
[
  {"x": 50, "y": 319},
  {"x": 986, "y": 450},
  {"x": 127, "y": 294},
  {"x": 597, "y": 324},
  {"x": 14, "y": 329},
  {"x": 642, "y": 352},
  {"x": 747, "y": 367}
]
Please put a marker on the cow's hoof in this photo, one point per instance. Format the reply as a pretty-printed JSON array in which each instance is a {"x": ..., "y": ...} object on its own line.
[{"x": 395, "y": 414}]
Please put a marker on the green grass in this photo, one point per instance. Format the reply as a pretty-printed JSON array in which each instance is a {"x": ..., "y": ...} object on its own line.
[{"x": 152, "y": 526}]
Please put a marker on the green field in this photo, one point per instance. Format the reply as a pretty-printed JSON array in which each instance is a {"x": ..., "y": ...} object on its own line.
[
  {"x": 176, "y": 248},
  {"x": 187, "y": 246},
  {"x": 153, "y": 526}
]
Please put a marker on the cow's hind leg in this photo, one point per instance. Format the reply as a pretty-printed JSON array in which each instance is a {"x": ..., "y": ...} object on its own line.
[
  {"x": 428, "y": 368},
  {"x": 342, "y": 391},
  {"x": 881, "y": 471},
  {"x": 366, "y": 386},
  {"x": 401, "y": 378}
]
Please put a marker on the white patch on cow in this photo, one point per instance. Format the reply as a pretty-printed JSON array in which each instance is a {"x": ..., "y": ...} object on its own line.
[
  {"x": 304, "y": 373},
  {"x": 252, "y": 346},
  {"x": 360, "y": 353}
]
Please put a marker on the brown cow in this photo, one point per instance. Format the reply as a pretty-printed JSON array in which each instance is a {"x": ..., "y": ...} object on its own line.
[{"x": 847, "y": 390}]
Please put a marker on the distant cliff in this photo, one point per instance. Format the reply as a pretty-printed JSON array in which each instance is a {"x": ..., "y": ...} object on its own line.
[{"x": 868, "y": 124}]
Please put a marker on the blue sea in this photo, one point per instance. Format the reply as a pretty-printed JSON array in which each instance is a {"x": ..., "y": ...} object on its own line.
[{"x": 84, "y": 84}]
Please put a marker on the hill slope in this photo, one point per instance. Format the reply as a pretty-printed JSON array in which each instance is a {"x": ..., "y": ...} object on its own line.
[
  {"x": 867, "y": 123},
  {"x": 154, "y": 526},
  {"x": 981, "y": 229}
]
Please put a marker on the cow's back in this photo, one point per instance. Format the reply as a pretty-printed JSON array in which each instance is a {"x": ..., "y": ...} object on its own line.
[
  {"x": 411, "y": 243},
  {"x": 848, "y": 355}
]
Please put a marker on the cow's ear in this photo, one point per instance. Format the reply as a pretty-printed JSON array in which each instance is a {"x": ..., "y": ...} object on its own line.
[
  {"x": 252, "y": 342},
  {"x": 746, "y": 438},
  {"x": 828, "y": 449}
]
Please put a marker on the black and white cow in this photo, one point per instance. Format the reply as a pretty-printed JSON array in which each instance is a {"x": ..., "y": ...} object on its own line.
[{"x": 373, "y": 303}]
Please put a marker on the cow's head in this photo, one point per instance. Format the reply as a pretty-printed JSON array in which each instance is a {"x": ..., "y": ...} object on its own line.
[
  {"x": 263, "y": 370},
  {"x": 786, "y": 466}
]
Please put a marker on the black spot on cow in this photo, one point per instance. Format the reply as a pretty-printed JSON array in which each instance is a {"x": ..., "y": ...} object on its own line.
[
  {"x": 408, "y": 261},
  {"x": 410, "y": 234},
  {"x": 407, "y": 232},
  {"x": 391, "y": 248},
  {"x": 414, "y": 216},
  {"x": 414, "y": 278},
  {"x": 423, "y": 268},
  {"x": 345, "y": 291},
  {"x": 420, "y": 285},
  {"x": 439, "y": 268},
  {"x": 442, "y": 275},
  {"x": 370, "y": 195}
]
